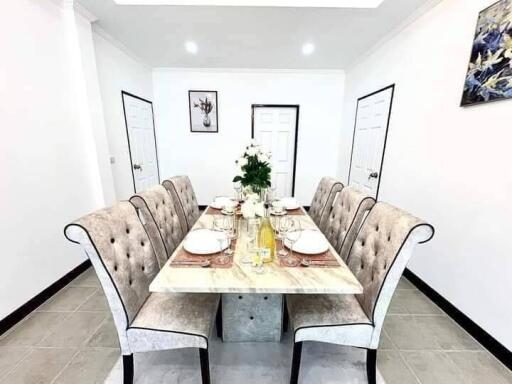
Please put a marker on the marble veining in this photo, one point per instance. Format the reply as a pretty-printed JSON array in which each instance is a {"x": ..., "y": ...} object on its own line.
[{"x": 242, "y": 278}]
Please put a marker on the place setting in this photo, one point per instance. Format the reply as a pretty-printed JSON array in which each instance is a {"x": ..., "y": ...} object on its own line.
[{"x": 208, "y": 247}]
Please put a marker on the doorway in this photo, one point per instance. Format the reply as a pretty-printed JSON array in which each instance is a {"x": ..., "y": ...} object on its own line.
[
  {"x": 369, "y": 140},
  {"x": 140, "y": 130},
  {"x": 276, "y": 127}
]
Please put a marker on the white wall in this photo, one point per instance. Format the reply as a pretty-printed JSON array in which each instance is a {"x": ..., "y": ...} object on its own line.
[
  {"x": 446, "y": 164},
  {"x": 48, "y": 155},
  {"x": 118, "y": 71},
  {"x": 208, "y": 158}
]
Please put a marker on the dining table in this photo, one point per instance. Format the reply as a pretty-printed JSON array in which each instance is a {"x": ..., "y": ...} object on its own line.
[{"x": 253, "y": 298}]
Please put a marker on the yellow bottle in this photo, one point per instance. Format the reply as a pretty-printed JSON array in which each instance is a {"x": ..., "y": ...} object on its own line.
[{"x": 266, "y": 241}]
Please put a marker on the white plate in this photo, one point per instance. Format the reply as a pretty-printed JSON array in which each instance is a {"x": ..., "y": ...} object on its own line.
[
  {"x": 274, "y": 213},
  {"x": 310, "y": 242},
  {"x": 290, "y": 203},
  {"x": 205, "y": 242},
  {"x": 221, "y": 201}
]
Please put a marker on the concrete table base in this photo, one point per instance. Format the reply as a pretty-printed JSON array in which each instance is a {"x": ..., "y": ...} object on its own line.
[{"x": 252, "y": 317}]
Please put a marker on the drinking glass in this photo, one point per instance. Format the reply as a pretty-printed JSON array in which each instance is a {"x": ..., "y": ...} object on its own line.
[
  {"x": 284, "y": 227},
  {"x": 238, "y": 189},
  {"x": 229, "y": 230},
  {"x": 293, "y": 235}
]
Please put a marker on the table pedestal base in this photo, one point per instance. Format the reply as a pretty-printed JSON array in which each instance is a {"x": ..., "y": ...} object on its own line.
[{"x": 252, "y": 317}]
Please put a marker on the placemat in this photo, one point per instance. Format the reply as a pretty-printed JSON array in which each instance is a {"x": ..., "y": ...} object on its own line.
[
  {"x": 322, "y": 260},
  {"x": 186, "y": 257},
  {"x": 295, "y": 212}
]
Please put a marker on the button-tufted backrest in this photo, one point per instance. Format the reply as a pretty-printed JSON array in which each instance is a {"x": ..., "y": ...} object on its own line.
[
  {"x": 324, "y": 196},
  {"x": 161, "y": 220},
  {"x": 342, "y": 221},
  {"x": 123, "y": 258},
  {"x": 184, "y": 197},
  {"x": 380, "y": 254}
]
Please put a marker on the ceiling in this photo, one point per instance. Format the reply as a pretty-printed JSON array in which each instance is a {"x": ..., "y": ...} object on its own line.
[{"x": 250, "y": 37}]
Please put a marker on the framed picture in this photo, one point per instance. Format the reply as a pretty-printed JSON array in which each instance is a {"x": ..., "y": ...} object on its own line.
[
  {"x": 489, "y": 76},
  {"x": 203, "y": 110}
]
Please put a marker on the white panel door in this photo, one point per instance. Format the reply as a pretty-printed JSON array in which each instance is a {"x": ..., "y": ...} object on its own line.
[
  {"x": 141, "y": 140},
  {"x": 275, "y": 129},
  {"x": 370, "y": 131}
]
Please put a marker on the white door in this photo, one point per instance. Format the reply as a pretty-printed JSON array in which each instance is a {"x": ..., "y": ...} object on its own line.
[
  {"x": 274, "y": 127},
  {"x": 138, "y": 115},
  {"x": 372, "y": 118}
]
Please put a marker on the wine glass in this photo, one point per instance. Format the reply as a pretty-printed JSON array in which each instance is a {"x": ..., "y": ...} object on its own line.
[
  {"x": 229, "y": 230},
  {"x": 293, "y": 235},
  {"x": 284, "y": 227},
  {"x": 238, "y": 189}
]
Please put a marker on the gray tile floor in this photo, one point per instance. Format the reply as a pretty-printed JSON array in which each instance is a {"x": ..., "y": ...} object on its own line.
[{"x": 71, "y": 339}]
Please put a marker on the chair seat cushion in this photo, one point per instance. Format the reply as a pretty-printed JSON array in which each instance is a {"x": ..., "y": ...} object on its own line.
[
  {"x": 177, "y": 320},
  {"x": 337, "y": 319}
]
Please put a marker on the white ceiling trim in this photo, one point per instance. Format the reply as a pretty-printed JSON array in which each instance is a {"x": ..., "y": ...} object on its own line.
[
  {"x": 252, "y": 70},
  {"x": 116, "y": 43},
  {"x": 427, "y": 7},
  {"x": 261, "y": 3}
]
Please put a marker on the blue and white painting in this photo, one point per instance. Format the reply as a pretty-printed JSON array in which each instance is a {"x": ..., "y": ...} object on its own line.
[{"x": 489, "y": 75}]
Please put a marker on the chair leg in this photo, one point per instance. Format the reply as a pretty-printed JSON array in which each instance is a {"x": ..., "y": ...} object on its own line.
[
  {"x": 218, "y": 321},
  {"x": 205, "y": 365},
  {"x": 371, "y": 365},
  {"x": 297, "y": 353},
  {"x": 128, "y": 369}
]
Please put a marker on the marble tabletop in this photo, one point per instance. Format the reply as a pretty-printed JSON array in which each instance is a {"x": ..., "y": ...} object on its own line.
[{"x": 243, "y": 278}]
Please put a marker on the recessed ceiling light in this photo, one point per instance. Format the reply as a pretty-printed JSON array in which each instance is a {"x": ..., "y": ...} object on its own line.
[
  {"x": 191, "y": 47},
  {"x": 262, "y": 3},
  {"x": 308, "y": 49}
]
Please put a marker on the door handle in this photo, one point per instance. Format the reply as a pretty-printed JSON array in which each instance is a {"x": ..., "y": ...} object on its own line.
[
  {"x": 137, "y": 166},
  {"x": 373, "y": 175}
]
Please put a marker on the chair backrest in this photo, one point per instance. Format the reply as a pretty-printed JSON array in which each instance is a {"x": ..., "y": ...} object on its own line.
[
  {"x": 159, "y": 215},
  {"x": 324, "y": 196},
  {"x": 184, "y": 197},
  {"x": 380, "y": 254},
  {"x": 123, "y": 257},
  {"x": 342, "y": 221}
]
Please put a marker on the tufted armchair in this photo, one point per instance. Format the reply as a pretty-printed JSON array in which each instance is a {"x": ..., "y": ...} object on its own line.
[
  {"x": 324, "y": 196},
  {"x": 341, "y": 222},
  {"x": 124, "y": 260},
  {"x": 378, "y": 258},
  {"x": 184, "y": 197},
  {"x": 161, "y": 219}
]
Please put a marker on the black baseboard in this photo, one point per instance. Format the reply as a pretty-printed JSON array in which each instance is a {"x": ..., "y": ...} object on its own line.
[
  {"x": 19, "y": 314},
  {"x": 202, "y": 207},
  {"x": 489, "y": 342}
]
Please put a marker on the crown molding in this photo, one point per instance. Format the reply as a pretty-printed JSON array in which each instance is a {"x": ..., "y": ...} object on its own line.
[
  {"x": 418, "y": 13},
  {"x": 84, "y": 12},
  {"x": 98, "y": 30},
  {"x": 291, "y": 71}
]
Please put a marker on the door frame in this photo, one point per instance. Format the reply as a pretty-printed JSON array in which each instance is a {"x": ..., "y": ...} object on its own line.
[
  {"x": 128, "y": 135},
  {"x": 392, "y": 87},
  {"x": 297, "y": 110}
]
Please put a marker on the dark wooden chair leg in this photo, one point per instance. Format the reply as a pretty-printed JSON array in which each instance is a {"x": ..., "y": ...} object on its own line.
[
  {"x": 128, "y": 369},
  {"x": 205, "y": 365},
  {"x": 297, "y": 353},
  {"x": 218, "y": 320},
  {"x": 371, "y": 365}
]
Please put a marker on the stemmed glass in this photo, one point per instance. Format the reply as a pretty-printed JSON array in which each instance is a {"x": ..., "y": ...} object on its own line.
[
  {"x": 283, "y": 228},
  {"x": 219, "y": 224},
  {"x": 293, "y": 235},
  {"x": 230, "y": 230},
  {"x": 238, "y": 189}
]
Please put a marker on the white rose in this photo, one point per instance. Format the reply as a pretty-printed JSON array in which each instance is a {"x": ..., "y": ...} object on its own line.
[
  {"x": 252, "y": 151},
  {"x": 242, "y": 161},
  {"x": 262, "y": 157},
  {"x": 248, "y": 210},
  {"x": 259, "y": 209}
]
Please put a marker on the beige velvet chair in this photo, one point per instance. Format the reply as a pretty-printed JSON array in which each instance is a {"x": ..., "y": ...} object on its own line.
[
  {"x": 342, "y": 220},
  {"x": 378, "y": 258},
  {"x": 124, "y": 260},
  {"x": 183, "y": 194},
  {"x": 324, "y": 196},
  {"x": 165, "y": 226}
]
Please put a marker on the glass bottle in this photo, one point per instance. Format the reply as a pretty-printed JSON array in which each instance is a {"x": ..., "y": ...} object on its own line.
[{"x": 266, "y": 239}]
